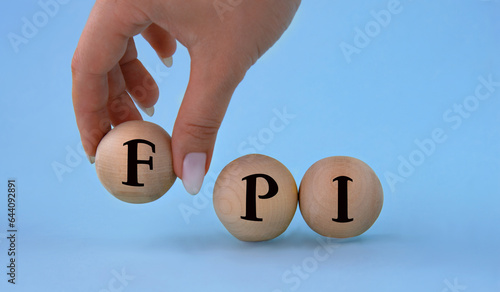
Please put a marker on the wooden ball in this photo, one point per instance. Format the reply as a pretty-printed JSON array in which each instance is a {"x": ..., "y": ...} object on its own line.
[
  {"x": 340, "y": 197},
  {"x": 255, "y": 197},
  {"x": 134, "y": 162}
]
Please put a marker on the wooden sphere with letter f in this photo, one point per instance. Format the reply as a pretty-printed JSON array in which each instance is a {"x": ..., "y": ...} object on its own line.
[{"x": 134, "y": 162}]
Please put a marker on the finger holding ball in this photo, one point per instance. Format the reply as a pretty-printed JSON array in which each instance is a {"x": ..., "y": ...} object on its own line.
[
  {"x": 134, "y": 162},
  {"x": 255, "y": 197},
  {"x": 340, "y": 197}
]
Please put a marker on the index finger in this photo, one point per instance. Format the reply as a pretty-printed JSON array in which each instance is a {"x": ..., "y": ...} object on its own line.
[{"x": 102, "y": 44}]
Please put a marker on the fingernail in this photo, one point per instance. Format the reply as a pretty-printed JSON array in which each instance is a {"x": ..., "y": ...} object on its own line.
[
  {"x": 150, "y": 111},
  {"x": 193, "y": 171},
  {"x": 91, "y": 159},
  {"x": 168, "y": 61}
]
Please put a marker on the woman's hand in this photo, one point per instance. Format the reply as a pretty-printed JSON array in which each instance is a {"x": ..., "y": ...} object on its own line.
[{"x": 224, "y": 38}]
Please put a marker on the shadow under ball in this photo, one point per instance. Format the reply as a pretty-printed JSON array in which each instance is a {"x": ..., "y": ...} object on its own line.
[
  {"x": 340, "y": 197},
  {"x": 249, "y": 204},
  {"x": 134, "y": 162}
]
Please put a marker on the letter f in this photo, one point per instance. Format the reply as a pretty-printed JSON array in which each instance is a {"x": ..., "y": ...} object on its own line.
[{"x": 133, "y": 162}]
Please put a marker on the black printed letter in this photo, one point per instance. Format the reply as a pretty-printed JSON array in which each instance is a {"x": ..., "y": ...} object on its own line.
[
  {"x": 132, "y": 161},
  {"x": 252, "y": 194},
  {"x": 342, "y": 199}
]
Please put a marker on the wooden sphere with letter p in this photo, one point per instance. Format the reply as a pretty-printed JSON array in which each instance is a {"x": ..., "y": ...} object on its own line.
[
  {"x": 255, "y": 197},
  {"x": 134, "y": 162},
  {"x": 340, "y": 197}
]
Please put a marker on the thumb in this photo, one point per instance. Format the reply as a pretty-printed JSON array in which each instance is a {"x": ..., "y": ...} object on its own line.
[{"x": 211, "y": 85}]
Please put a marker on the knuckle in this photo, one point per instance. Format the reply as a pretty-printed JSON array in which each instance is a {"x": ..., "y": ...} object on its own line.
[{"x": 203, "y": 129}]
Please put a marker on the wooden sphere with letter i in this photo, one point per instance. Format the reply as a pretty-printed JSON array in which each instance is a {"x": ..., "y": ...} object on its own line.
[
  {"x": 134, "y": 162},
  {"x": 255, "y": 197},
  {"x": 340, "y": 197}
]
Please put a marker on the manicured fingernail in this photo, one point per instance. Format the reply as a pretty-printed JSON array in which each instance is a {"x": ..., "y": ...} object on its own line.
[
  {"x": 193, "y": 171},
  {"x": 150, "y": 111},
  {"x": 91, "y": 159},
  {"x": 168, "y": 61}
]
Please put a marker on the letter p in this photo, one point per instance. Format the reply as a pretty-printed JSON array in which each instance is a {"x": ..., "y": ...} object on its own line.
[{"x": 251, "y": 195}]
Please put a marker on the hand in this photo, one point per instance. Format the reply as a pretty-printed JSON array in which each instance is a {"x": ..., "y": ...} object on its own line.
[{"x": 224, "y": 39}]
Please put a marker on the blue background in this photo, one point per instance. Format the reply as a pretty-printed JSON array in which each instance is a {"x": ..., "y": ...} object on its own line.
[{"x": 439, "y": 228}]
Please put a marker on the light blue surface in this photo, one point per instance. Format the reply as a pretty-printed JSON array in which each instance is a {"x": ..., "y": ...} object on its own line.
[{"x": 439, "y": 228}]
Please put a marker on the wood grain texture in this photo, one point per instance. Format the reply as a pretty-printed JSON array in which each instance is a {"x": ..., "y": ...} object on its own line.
[
  {"x": 230, "y": 198},
  {"x": 318, "y": 196},
  {"x": 111, "y": 162}
]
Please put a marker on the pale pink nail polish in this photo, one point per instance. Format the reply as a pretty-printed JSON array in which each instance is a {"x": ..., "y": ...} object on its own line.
[
  {"x": 193, "y": 171},
  {"x": 91, "y": 159}
]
